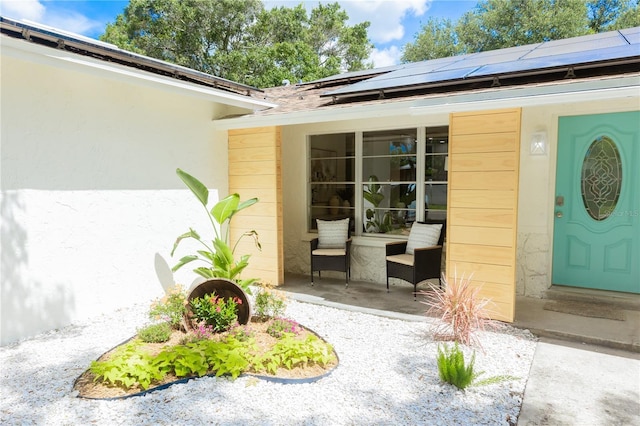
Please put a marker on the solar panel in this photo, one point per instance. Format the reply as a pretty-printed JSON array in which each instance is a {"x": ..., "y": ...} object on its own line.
[{"x": 534, "y": 57}]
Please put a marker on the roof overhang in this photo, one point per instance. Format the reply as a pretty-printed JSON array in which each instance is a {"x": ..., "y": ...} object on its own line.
[
  {"x": 31, "y": 52},
  {"x": 570, "y": 91}
]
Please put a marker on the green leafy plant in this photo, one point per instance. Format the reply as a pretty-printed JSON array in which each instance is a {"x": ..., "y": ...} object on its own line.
[
  {"x": 217, "y": 254},
  {"x": 218, "y": 312},
  {"x": 290, "y": 352},
  {"x": 155, "y": 333},
  {"x": 280, "y": 326},
  {"x": 269, "y": 303},
  {"x": 452, "y": 369},
  {"x": 128, "y": 367},
  {"x": 460, "y": 309},
  {"x": 171, "y": 308},
  {"x": 376, "y": 220}
]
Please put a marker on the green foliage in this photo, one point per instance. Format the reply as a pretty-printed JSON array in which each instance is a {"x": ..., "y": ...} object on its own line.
[
  {"x": 217, "y": 312},
  {"x": 171, "y": 308},
  {"x": 452, "y": 367},
  {"x": 290, "y": 352},
  {"x": 155, "y": 333},
  {"x": 217, "y": 254},
  {"x": 496, "y": 24},
  {"x": 128, "y": 367},
  {"x": 269, "y": 304},
  {"x": 242, "y": 41},
  {"x": 282, "y": 326},
  {"x": 377, "y": 221}
]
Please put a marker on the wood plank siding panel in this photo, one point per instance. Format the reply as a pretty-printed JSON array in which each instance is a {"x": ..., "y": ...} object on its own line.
[
  {"x": 255, "y": 171},
  {"x": 484, "y": 158}
]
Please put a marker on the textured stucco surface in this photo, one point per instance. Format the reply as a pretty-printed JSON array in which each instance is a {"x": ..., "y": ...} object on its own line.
[{"x": 90, "y": 203}]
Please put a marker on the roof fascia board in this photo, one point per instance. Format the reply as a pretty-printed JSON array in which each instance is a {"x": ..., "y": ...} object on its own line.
[
  {"x": 614, "y": 88},
  {"x": 30, "y": 52}
]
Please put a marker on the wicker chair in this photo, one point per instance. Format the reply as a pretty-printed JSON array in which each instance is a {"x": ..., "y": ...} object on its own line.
[
  {"x": 336, "y": 257},
  {"x": 423, "y": 264}
]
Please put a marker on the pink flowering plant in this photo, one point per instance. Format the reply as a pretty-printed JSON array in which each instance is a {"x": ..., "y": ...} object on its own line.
[
  {"x": 280, "y": 326},
  {"x": 215, "y": 311}
]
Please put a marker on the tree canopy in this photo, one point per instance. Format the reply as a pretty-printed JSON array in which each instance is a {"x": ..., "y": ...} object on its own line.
[
  {"x": 495, "y": 24},
  {"x": 242, "y": 41}
]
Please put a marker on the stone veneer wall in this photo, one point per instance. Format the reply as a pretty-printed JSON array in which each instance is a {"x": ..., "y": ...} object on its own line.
[{"x": 533, "y": 271}]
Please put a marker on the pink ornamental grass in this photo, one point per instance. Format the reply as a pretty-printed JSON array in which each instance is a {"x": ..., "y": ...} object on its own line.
[{"x": 459, "y": 308}]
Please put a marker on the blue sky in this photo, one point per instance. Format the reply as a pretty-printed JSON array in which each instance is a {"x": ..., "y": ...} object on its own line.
[{"x": 393, "y": 22}]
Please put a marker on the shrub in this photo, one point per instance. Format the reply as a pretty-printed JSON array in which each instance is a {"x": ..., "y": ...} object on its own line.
[
  {"x": 458, "y": 306},
  {"x": 218, "y": 312},
  {"x": 269, "y": 303},
  {"x": 171, "y": 307},
  {"x": 155, "y": 333},
  {"x": 280, "y": 326}
]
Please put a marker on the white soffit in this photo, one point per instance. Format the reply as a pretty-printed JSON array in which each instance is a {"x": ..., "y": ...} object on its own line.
[
  {"x": 30, "y": 52},
  {"x": 569, "y": 92}
]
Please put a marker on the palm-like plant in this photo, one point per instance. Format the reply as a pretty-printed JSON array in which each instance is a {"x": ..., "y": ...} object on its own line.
[{"x": 217, "y": 254}]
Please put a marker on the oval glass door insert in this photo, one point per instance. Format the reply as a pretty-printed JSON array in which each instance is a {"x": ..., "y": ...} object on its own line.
[{"x": 601, "y": 178}]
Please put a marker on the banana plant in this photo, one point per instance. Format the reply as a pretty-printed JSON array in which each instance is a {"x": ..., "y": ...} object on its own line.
[{"x": 217, "y": 254}]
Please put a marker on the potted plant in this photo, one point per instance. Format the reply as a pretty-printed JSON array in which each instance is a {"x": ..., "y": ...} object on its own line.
[{"x": 221, "y": 269}]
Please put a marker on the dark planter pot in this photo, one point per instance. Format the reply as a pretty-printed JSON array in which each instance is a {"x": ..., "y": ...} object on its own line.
[{"x": 223, "y": 288}]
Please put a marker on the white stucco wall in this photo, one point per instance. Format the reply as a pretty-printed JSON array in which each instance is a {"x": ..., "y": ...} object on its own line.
[{"x": 89, "y": 194}]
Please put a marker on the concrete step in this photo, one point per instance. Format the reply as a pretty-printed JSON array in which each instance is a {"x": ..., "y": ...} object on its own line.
[{"x": 626, "y": 301}]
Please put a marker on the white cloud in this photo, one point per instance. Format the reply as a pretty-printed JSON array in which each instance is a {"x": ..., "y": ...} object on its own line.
[
  {"x": 61, "y": 19},
  {"x": 22, "y": 9},
  {"x": 385, "y": 57},
  {"x": 73, "y": 22},
  {"x": 385, "y": 16}
]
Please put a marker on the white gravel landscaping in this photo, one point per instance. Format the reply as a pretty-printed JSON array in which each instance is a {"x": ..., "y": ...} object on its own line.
[{"x": 387, "y": 376}]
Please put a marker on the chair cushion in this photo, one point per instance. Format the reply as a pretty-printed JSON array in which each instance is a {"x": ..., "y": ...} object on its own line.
[
  {"x": 405, "y": 259},
  {"x": 423, "y": 235},
  {"x": 329, "y": 252},
  {"x": 332, "y": 233}
]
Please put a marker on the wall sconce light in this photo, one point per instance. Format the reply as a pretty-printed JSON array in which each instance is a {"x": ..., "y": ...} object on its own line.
[{"x": 538, "y": 143}]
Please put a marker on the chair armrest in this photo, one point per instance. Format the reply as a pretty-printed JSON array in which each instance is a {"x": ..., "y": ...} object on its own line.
[
  {"x": 396, "y": 247},
  {"x": 426, "y": 254}
]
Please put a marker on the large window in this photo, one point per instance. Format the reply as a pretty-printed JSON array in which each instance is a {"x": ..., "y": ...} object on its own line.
[{"x": 382, "y": 180}]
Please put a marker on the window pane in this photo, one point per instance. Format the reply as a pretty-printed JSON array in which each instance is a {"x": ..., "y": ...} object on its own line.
[
  {"x": 390, "y": 169},
  {"x": 390, "y": 142}
]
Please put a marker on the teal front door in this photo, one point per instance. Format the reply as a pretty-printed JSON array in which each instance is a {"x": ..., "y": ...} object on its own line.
[{"x": 596, "y": 238}]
